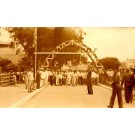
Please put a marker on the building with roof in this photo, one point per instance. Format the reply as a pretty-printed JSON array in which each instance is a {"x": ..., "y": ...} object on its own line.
[
  {"x": 5, "y": 50},
  {"x": 130, "y": 63}
]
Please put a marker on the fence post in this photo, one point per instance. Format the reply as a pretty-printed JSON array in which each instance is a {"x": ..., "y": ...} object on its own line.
[
  {"x": 6, "y": 79},
  {"x": 2, "y": 79}
]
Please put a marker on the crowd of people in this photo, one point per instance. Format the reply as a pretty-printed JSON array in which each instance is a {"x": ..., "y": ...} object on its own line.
[
  {"x": 59, "y": 77},
  {"x": 124, "y": 80},
  {"x": 45, "y": 76}
]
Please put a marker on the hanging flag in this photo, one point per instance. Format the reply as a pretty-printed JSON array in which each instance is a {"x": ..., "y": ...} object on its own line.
[{"x": 35, "y": 38}]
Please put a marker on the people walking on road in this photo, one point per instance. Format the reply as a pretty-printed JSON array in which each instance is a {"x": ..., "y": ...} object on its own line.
[
  {"x": 46, "y": 74},
  {"x": 128, "y": 81},
  {"x": 42, "y": 77},
  {"x": 93, "y": 77},
  {"x": 116, "y": 90},
  {"x": 97, "y": 78},
  {"x": 51, "y": 78},
  {"x": 60, "y": 78},
  {"x": 74, "y": 76},
  {"x": 64, "y": 78},
  {"x": 18, "y": 76},
  {"x": 89, "y": 81},
  {"x": 38, "y": 78},
  {"x": 14, "y": 79},
  {"x": 57, "y": 78},
  {"x": 30, "y": 75},
  {"x": 68, "y": 81},
  {"x": 26, "y": 79}
]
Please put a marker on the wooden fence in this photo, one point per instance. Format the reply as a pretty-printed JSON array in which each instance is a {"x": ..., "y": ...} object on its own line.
[{"x": 6, "y": 79}]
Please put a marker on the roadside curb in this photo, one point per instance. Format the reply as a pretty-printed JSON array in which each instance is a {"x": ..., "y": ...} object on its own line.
[
  {"x": 105, "y": 86},
  {"x": 28, "y": 97}
]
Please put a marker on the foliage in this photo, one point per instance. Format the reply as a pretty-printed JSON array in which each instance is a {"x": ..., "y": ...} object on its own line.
[
  {"x": 47, "y": 39},
  {"x": 6, "y": 65},
  {"x": 110, "y": 63},
  {"x": 24, "y": 64},
  {"x": 50, "y": 37},
  {"x": 24, "y": 36}
]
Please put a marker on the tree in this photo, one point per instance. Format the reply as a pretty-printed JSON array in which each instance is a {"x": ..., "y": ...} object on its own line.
[
  {"x": 24, "y": 64},
  {"x": 110, "y": 63},
  {"x": 6, "y": 65},
  {"x": 50, "y": 37},
  {"x": 47, "y": 39},
  {"x": 23, "y": 36}
]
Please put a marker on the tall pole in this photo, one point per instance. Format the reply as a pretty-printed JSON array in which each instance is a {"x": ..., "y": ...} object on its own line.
[{"x": 35, "y": 46}]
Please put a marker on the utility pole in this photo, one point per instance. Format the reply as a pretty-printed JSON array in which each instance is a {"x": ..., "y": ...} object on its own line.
[{"x": 35, "y": 46}]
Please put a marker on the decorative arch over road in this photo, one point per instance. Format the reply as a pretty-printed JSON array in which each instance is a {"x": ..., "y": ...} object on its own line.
[{"x": 85, "y": 51}]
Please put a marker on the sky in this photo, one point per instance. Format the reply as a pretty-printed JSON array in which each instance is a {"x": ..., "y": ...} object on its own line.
[
  {"x": 111, "y": 41},
  {"x": 4, "y": 36}
]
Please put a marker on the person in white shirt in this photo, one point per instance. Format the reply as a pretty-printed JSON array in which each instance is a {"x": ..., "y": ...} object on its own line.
[
  {"x": 79, "y": 78},
  {"x": 68, "y": 78},
  {"x": 14, "y": 79},
  {"x": 46, "y": 74},
  {"x": 30, "y": 76},
  {"x": 74, "y": 76},
  {"x": 51, "y": 77},
  {"x": 26, "y": 80},
  {"x": 42, "y": 77},
  {"x": 93, "y": 77},
  {"x": 57, "y": 78},
  {"x": 64, "y": 78},
  {"x": 60, "y": 78},
  {"x": 97, "y": 78}
]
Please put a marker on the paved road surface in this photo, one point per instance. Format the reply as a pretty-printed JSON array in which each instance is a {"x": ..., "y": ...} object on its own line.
[
  {"x": 11, "y": 94},
  {"x": 72, "y": 97}
]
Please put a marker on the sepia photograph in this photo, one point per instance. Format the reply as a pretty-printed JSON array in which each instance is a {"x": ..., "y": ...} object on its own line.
[{"x": 67, "y": 67}]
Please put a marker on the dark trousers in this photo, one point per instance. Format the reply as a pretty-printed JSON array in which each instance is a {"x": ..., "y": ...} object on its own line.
[
  {"x": 116, "y": 91},
  {"x": 79, "y": 80},
  {"x": 38, "y": 83},
  {"x": 51, "y": 80},
  {"x": 63, "y": 81},
  {"x": 128, "y": 93},
  {"x": 60, "y": 81},
  {"x": 89, "y": 87}
]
